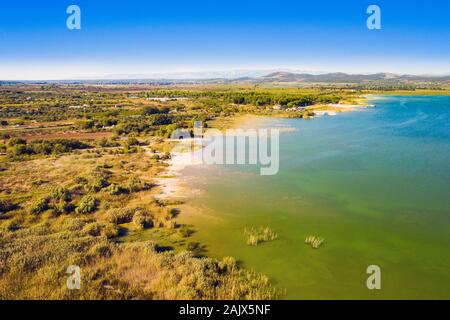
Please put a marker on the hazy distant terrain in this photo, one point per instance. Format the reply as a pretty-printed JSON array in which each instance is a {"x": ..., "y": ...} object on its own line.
[{"x": 274, "y": 77}]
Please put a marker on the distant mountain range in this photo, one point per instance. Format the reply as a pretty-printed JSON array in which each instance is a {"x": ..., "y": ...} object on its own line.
[
  {"x": 274, "y": 77},
  {"x": 340, "y": 77}
]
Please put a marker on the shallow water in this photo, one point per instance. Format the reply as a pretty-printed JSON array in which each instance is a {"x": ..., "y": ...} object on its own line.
[{"x": 374, "y": 183}]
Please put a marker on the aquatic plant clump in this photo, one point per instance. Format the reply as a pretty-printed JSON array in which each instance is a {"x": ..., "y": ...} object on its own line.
[
  {"x": 262, "y": 234},
  {"x": 314, "y": 242}
]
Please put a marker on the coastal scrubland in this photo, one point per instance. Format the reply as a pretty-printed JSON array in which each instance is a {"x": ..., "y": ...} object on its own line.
[{"x": 79, "y": 170}]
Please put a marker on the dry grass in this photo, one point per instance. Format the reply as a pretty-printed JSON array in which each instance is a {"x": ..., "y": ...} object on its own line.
[
  {"x": 314, "y": 241},
  {"x": 36, "y": 249},
  {"x": 256, "y": 236},
  {"x": 34, "y": 261}
]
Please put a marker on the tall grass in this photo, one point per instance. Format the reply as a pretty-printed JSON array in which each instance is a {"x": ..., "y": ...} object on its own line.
[
  {"x": 33, "y": 262},
  {"x": 314, "y": 241},
  {"x": 256, "y": 236}
]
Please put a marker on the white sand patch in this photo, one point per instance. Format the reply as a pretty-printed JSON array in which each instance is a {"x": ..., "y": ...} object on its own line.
[
  {"x": 346, "y": 106},
  {"x": 320, "y": 113},
  {"x": 170, "y": 184}
]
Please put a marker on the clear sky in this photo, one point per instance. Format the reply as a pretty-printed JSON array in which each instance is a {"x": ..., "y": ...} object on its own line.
[{"x": 144, "y": 37}]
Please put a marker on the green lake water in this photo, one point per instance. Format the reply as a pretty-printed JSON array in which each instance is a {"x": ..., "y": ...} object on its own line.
[{"x": 375, "y": 184}]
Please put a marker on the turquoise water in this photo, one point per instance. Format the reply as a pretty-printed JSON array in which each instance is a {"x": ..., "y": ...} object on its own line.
[{"x": 374, "y": 183}]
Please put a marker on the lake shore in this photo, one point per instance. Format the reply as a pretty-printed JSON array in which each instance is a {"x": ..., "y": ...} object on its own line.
[
  {"x": 171, "y": 182},
  {"x": 316, "y": 194}
]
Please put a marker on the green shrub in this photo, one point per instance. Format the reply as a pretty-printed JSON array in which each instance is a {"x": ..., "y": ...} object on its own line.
[
  {"x": 101, "y": 250},
  {"x": 195, "y": 248},
  {"x": 19, "y": 150},
  {"x": 97, "y": 180},
  {"x": 132, "y": 141},
  {"x": 142, "y": 219},
  {"x": 12, "y": 225},
  {"x": 160, "y": 119},
  {"x": 135, "y": 185},
  {"x": 39, "y": 205},
  {"x": 16, "y": 141},
  {"x": 60, "y": 193},
  {"x": 96, "y": 229},
  {"x": 110, "y": 230},
  {"x": 120, "y": 215},
  {"x": 75, "y": 224},
  {"x": 150, "y": 110},
  {"x": 6, "y": 206},
  {"x": 166, "y": 156},
  {"x": 185, "y": 232},
  {"x": 88, "y": 204},
  {"x": 107, "y": 143},
  {"x": 92, "y": 229},
  {"x": 17, "y": 147},
  {"x": 61, "y": 207},
  {"x": 96, "y": 184},
  {"x": 115, "y": 189}
]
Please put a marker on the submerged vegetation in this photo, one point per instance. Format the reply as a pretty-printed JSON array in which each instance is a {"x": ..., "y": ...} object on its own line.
[{"x": 255, "y": 236}]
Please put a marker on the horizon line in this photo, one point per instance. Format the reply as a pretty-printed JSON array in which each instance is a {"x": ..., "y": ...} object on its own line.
[{"x": 174, "y": 75}]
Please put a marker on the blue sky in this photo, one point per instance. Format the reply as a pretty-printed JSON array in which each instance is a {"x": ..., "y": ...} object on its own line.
[{"x": 145, "y": 37}]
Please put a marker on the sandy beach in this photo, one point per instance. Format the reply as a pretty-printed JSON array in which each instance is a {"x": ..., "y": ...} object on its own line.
[{"x": 186, "y": 154}]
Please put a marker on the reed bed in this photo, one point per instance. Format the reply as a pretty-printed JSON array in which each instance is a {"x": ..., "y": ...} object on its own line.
[
  {"x": 314, "y": 241},
  {"x": 256, "y": 236}
]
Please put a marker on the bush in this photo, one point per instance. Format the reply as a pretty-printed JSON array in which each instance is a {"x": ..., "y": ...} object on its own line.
[
  {"x": 185, "y": 232},
  {"x": 228, "y": 264},
  {"x": 107, "y": 143},
  {"x": 17, "y": 147},
  {"x": 96, "y": 185},
  {"x": 120, "y": 215},
  {"x": 102, "y": 250},
  {"x": 39, "y": 205},
  {"x": 6, "y": 206},
  {"x": 132, "y": 141},
  {"x": 195, "y": 248},
  {"x": 110, "y": 230},
  {"x": 150, "y": 110},
  {"x": 61, "y": 207},
  {"x": 160, "y": 119},
  {"x": 60, "y": 193},
  {"x": 115, "y": 189},
  {"x": 92, "y": 229},
  {"x": 12, "y": 225},
  {"x": 166, "y": 156},
  {"x": 98, "y": 180},
  {"x": 76, "y": 224},
  {"x": 19, "y": 150},
  {"x": 142, "y": 219},
  {"x": 96, "y": 229},
  {"x": 16, "y": 141},
  {"x": 88, "y": 204},
  {"x": 135, "y": 185}
]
